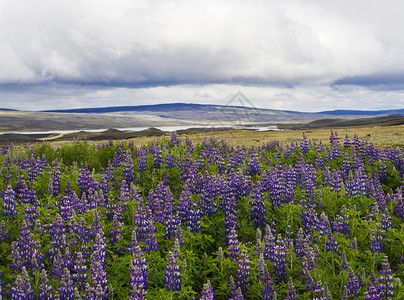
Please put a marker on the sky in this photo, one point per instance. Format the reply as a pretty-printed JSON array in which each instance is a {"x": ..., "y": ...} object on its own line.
[{"x": 305, "y": 55}]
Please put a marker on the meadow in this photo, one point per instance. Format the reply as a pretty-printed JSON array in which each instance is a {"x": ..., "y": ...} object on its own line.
[{"x": 241, "y": 215}]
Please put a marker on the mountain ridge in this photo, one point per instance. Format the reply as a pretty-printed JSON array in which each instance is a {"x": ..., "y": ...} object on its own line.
[{"x": 194, "y": 106}]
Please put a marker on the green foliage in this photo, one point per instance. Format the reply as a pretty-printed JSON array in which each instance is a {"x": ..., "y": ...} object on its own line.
[{"x": 200, "y": 260}]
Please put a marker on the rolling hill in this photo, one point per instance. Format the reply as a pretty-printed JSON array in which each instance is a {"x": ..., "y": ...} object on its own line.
[{"x": 171, "y": 114}]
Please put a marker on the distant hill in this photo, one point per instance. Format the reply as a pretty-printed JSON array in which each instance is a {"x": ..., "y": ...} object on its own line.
[
  {"x": 177, "y": 107},
  {"x": 7, "y": 109},
  {"x": 156, "y": 108},
  {"x": 393, "y": 120},
  {"x": 172, "y": 114},
  {"x": 364, "y": 112}
]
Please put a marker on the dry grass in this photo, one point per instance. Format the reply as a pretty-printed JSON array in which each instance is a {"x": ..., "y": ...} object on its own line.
[{"x": 392, "y": 136}]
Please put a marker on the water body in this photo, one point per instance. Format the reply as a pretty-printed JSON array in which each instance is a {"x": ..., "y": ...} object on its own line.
[{"x": 163, "y": 128}]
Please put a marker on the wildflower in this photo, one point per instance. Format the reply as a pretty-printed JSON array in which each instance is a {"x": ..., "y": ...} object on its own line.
[
  {"x": 243, "y": 272},
  {"x": 173, "y": 275}
]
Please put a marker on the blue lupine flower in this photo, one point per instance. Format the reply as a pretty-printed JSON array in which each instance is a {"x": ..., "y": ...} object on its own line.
[{"x": 172, "y": 275}]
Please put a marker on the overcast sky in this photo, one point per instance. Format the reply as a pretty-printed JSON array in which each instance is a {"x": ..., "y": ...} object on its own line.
[{"x": 306, "y": 55}]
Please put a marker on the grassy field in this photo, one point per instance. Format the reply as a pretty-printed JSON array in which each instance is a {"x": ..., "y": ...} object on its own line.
[{"x": 391, "y": 136}]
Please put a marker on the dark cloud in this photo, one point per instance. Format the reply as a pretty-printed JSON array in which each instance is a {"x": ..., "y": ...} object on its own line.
[{"x": 377, "y": 81}]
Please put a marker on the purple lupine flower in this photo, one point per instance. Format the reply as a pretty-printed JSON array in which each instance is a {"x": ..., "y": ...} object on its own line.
[
  {"x": 299, "y": 243},
  {"x": 1, "y": 286},
  {"x": 344, "y": 262},
  {"x": 161, "y": 202},
  {"x": 98, "y": 273},
  {"x": 327, "y": 293},
  {"x": 128, "y": 170},
  {"x": 172, "y": 223},
  {"x": 151, "y": 239},
  {"x": 258, "y": 209},
  {"x": 133, "y": 242},
  {"x": 66, "y": 205},
  {"x": 243, "y": 272},
  {"x": 354, "y": 243},
  {"x": 341, "y": 223},
  {"x": 230, "y": 215},
  {"x": 310, "y": 219},
  {"x": 176, "y": 250},
  {"x": 331, "y": 243},
  {"x": 158, "y": 158},
  {"x": 386, "y": 280},
  {"x": 399, "y": 207},
  {"x": 259, "y": 248},
  {"x": 235, "y": 292},
  {"x": 57, "y": 266},
  {"x": 88, "y": 292},
  {"x": 373, "y": 279},
  {"x": 319, "y": 164},
  {"x": 140, "y": 218},
  {"x": 318, "y": 289},
  {"x": 99, "y": 278},
  {"x": 309, "y": 257},
  {"x": 291, "y": 291},
  {"x": 268, "y": 290},
  {"x": 175, "y": 140},
  {"x": 184, "y": 204},
  {"x": 3, "y": 231},
  {"x": 386, "y": 220},
  {"x": 372, "y": 293},
  {"x": 376, "y": 241},
  {"x": 172, "y": 275},
  {"x": 337, "y": 180},
  {"x": 254, "y": 166},
  {"x": 169, "y": 160},
  {"x": 208, "y": 206},
  {"x": 67, "y": 259},
  {"x": 142, "y": 163},
  {"x": 308, "y": 279},
  {"x": 55, "y": 180},
  {"x": 81, "y": 233},
  {"x": 194, "y": 218},
  {"x": 280, "y": 260},
  {"x": 58, "y": 234},
  {"x": 137, "y": 289},
  {"x": 233, "y": 243},
  {"x": 304, "y": 144},
  {"x": 96, "y": 226},
  {"x": 80, "y": 205},
  {"x": 9, "y": 205},
  {"x": 140, "y": 274},
  {"x": 115, "y": 232},
  {"x": 22, "y": 289},
  {"x": 32, "y": 213},
  {"x": 79, "y": 271},
  {"x": 207, "y": 292},
  {"x": 269, "y": 239},
  {"x": 100, "y": 246},
  {"x": 352, "y": 286},
  {"x": 38, "y": 226},
  {"x": 86, "y": 182},
  {"x": 25, "y": 251},
  {"x": 66, "y": 288}
]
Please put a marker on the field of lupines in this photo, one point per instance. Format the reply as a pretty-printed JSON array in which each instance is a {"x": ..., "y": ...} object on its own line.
[{"x": 174, "y": 220}]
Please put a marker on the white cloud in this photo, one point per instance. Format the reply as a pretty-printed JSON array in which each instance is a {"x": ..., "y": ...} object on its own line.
[
  {"x": 178, "y": 40},
  {"x": 306, "y": 44}
]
